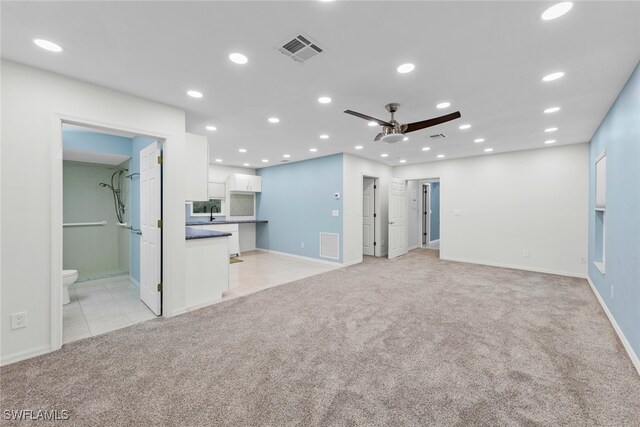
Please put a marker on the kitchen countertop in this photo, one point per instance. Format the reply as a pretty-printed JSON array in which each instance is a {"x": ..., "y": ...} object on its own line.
[
  {"x": 197, "y": 233},
  {"x": 248, "y": 221}
]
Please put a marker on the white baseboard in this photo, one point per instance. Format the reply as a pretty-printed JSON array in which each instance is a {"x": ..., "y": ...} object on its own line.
[
  {"x": 412, "y": 248},
  {"x": 632, "y": 355},
  {"x": 434, "y": 241},
  {"x": 516, "y": 267},
  {"x": 134, "y": 281},
  {"x": 101, "y": 280},
  {"x": 336, "y": 264},
  {"x": 23, "y": 355}
]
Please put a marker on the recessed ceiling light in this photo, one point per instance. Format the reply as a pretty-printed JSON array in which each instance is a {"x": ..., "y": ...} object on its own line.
[
  {"x": 265, "y": 160},
  {"x": 488, "y": 150},
  {"x": 550, "y": 130},
  {"x": 324, "y": 136},
  {"x": 48, "y": 45},
  {"x": 246, "y": 164},
  {"x": 550, "y": 141},
  {"x": 405, "y": 139},
  {"x": 478, "y": 140},
  {"x": 286, "y": 156},
  {"x": 406, "y": 68},
  {"x": 553, "y": 76},
  {"x": 373, "y": 124},
  {"x": 313, "y": 150},
  {"x": 443, "y": 105},
  {"x": 426, "y": 148},
  {"x": 238, "y": 58},
  {"x": 274, "y": 120},
  {"x": 359, "y": 147},
  {"x": 552, "y": 110},
  {"x": 403, "y": 161},
  {"x": 219, "y": 160},
  {"x": 211, "y": 128},
  {"x": 464, "y": 127},
  {"x": 440, "y": 156},
  {"x": 557, "y": 10},
  {"x": 384, "y": 155},
  {"x": 242, "y": 150},
  {"x": 194, "y": 94},
  {"x": 324, "y": 100}
]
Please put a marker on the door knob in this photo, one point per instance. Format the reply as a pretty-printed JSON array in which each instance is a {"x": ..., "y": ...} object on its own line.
[{"x": 391, "y": 222}]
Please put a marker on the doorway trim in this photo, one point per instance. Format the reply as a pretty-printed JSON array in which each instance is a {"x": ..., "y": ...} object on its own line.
[{"x": 57, "y": 120}]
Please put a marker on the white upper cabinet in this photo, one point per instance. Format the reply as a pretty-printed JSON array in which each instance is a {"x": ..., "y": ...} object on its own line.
[
  {"x": 217, "y": 189},
  {"x": 197, "y": 168},
  {"x": 246, "y": 183}
]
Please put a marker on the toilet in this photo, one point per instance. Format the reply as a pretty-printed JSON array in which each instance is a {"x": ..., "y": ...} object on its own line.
[{"x": 69, "y": 277}]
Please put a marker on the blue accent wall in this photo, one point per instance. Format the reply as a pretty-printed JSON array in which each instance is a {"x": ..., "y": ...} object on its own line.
[
  {"x": 297, "y": 200},
  {"x": 619, "y": 136},
  {"x": 139, "y": 142},
  {"x": 434, "y": 225},
  {"x": 96, "y": 142}
]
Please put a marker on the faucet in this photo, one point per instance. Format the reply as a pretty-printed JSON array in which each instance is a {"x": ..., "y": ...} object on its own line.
[{"x": 211, "y": 213}]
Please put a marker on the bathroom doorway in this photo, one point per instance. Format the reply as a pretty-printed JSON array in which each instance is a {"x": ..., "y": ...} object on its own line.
[{"x": 103, "y": 204}]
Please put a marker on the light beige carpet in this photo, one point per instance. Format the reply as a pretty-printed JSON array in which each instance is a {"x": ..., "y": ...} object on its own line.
[{"x": 414, "y": 341}]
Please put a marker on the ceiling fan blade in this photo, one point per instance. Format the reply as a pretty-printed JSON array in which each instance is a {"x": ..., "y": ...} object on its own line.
[
  {"x": 378, "y": 137},
  {"x": 411, "y": 127},
  {"x": 373, "y": 119}
]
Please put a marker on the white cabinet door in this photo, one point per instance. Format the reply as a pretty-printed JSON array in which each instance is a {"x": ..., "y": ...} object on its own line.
[
  {"x": 255, "y": 183},
  {"x": 234, "y": 241},
  {"x": 196, "y": 168},
  {"x": 245, "y": 183},
  {"x": 217, "y": 190}
]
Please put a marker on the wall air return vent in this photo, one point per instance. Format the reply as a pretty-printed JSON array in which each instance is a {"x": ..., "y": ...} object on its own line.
[
  {"x": 330, "y": 245},
  {"x": 438, "y": 136},
  {"x": 300, "y": 48}
]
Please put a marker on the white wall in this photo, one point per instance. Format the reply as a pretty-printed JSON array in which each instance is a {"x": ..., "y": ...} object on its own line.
[
  {"x": 354, "y": 169},
  {"x": 32, "y": 101},
  {"x": 527, "y": 200},
  {"x": 220, "y": 172}
]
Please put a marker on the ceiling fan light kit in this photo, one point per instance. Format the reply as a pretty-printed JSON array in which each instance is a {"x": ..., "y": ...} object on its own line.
[{"x": 393, "y": 132}]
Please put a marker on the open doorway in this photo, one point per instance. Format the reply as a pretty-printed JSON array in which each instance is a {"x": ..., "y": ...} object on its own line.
[
  {"x": 370, "y": 228},
  {"x": 429, "y": 226},
  {"x": 111, "y": 231}
]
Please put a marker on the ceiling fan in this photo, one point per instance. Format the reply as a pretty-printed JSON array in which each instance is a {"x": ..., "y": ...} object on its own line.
[{"x": 393, "y": 131}]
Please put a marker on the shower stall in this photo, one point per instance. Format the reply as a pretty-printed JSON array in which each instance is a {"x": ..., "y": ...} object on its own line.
[{"x": 96, "y": 215}]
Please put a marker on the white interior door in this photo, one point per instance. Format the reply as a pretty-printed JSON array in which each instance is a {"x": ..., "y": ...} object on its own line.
[
  {"x": 150, "y": 241},
  {"x": 368, "y": 208},
  {"x": 397, "y": 213}
]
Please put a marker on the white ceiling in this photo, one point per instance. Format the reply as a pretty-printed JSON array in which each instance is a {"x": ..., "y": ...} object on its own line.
[{"x": 486, "y": 58}]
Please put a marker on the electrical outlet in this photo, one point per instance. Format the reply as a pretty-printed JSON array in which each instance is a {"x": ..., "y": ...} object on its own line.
[
  {"x": 611, "y": 291},
  {"x": 582, "y": 260},
  {"x": 18, "y": 320},
  {"x": 525, "y": 253},
  {"x": 302, "y": 245}
]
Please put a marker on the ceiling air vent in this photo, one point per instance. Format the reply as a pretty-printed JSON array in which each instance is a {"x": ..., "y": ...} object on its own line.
[
  {"x": 438, "y": 136},
  {"x": 300, "y": 48}
]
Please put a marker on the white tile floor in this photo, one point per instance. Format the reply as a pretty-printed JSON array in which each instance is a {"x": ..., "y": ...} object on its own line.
[
  {"x": 261, "y": 270},
  {"x": 102, "y": 307}
]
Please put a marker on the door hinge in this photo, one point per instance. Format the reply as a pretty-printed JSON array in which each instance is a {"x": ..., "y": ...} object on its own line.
[
  {"x": 375, "y": 186},
  {"x": 374, "y": 243},
  {"x": 159, "y": 160},
  {"x": 375, "y": 215},
  {"x": 160, "y": 223},
  {"x": 424, "y": 234},
  {"x": 159, "y": 287}
]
